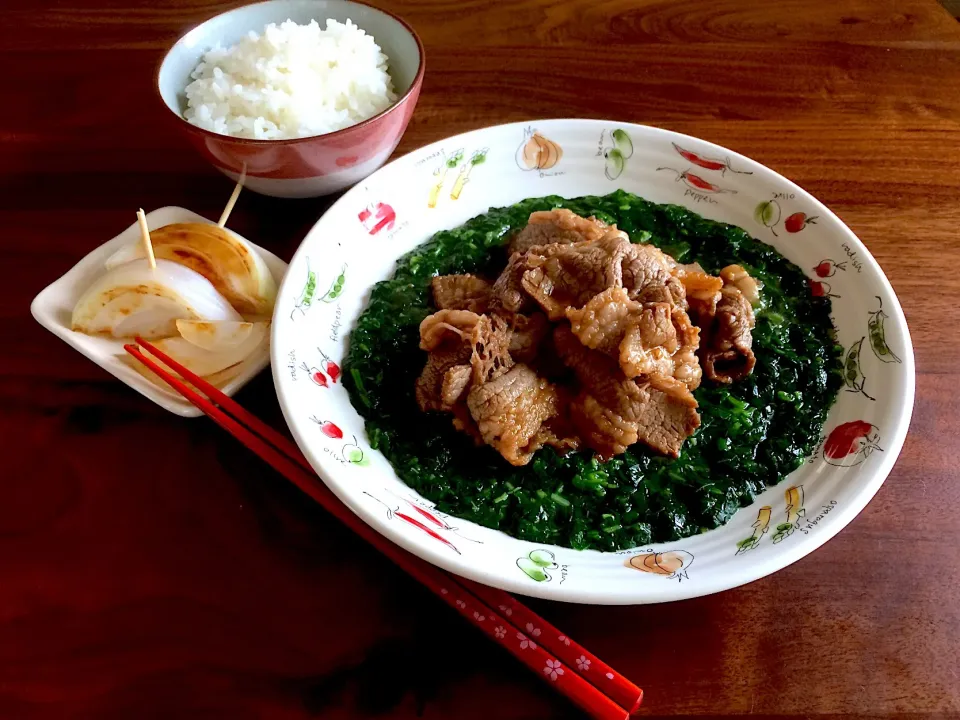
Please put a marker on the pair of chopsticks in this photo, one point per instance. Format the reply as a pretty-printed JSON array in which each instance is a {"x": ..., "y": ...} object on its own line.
[{"x": 563, "y": 663}]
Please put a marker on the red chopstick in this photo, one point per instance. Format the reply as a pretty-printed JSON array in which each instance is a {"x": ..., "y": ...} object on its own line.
[{"x": 572, "y": 668}]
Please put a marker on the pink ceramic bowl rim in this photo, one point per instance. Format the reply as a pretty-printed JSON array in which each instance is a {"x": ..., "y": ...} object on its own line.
[{"x": 417, "y": 81}]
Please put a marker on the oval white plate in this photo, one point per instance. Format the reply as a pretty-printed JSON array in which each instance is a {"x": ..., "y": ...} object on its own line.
[
  {"x": 53, "y": 307},
  {"x": 362, "y": 235}
]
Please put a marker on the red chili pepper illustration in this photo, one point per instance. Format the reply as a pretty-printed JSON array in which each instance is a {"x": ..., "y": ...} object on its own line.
[
  {"x": 328, "y": 428},
  {"x": 708, "y": 163},
  {"x": 828, "y": 268},
  {"x": 699, "y": 182},
  {"x": 851, "y": 443},
  {"x": 428, "y": 531},
  {"x": 696, "y": 182},
  {"x": 345, "y": 162},
  {"x": 333, "y": 370},
  {"x": 377, "y": 217},
  {"x": 798, "y": 221},
  {"x": 429, "y": 516}
]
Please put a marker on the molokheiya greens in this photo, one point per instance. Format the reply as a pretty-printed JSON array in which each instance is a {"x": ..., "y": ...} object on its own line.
[{"x": 753, "y": 432}]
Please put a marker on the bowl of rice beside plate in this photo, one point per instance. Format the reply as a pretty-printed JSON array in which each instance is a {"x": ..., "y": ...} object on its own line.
[{"x": 306, "y": 97}]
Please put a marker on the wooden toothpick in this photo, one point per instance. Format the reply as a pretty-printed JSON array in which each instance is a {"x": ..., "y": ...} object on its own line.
[
  {"x": 145, "y": 237},
  {"x": 233, "y": 197}
]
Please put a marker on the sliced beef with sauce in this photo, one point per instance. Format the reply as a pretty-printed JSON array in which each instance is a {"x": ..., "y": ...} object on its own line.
[
  {"x": 447, "y": 336},
  {"x": 584, "y": 340},
  {"x": 727, "y": 352},
  {"x": 447, "y": 327},
  {"x": 511, "y": 409},
  {"x": 739, "y": 278},
  {"x": 547, "y": 227},
  {"x": 612, "y": 411},
  {"x": 665, "y": 422},
  {"x": 562, "y": 276},
  {"x": 662, "y": 348},
  {"x": 602, "y": 323},
  {"x": 490, "y": 343},
  {"x": 455, "y": 382},
  {"x": 507, "y": 295},
  {"x": 650, "y": 342},
  {"x": 528, "y": 334},
  {"x": 461, "y": 292},
  {"x": 702, "y": 292},
  {"x": 433, "y": 386},
  {"x": 646, "y": 275}
]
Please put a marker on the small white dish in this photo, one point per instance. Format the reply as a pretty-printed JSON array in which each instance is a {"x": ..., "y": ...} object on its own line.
[{"x": 53, "y": 308}]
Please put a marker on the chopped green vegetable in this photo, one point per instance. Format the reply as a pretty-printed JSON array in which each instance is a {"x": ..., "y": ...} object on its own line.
[{"x": 753, "y": 432}]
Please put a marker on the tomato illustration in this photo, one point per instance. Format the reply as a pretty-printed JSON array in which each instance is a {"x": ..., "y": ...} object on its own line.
[
  {"x": 798, "y": 221},
  {"x": 828, "y": 268},
  {"x": 851, "y": 443},
  {"x": 377, "y": 217}
]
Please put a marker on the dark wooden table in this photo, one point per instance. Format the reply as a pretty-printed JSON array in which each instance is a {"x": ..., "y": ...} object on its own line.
[{"x": 151, "y": 568}]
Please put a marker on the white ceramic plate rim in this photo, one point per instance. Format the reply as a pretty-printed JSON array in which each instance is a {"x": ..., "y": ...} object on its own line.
[{"x": 626, "y": 593}]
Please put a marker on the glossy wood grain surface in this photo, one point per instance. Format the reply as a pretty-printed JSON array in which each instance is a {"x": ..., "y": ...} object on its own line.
[{"x": 151, "y": 568}]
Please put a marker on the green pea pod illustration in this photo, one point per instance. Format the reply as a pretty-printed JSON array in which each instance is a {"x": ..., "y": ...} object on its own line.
[
  {"x": 853, "y": 376},
  {"x": 305, "y": 299},
  {"x": 877, "y": 333},
  {"x": 336, "y": 287}
]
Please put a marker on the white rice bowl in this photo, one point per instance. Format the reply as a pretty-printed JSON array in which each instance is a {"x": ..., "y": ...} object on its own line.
[{"x": 290, "y": 81}]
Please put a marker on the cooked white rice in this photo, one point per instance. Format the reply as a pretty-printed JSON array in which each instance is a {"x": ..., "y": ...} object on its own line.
[{"x": 291, "y": 81}]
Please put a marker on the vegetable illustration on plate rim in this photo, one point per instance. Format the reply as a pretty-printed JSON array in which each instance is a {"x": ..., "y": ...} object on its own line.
[
  {"x": 708, "y": 163},
  {"x": 376, "y": 217},
  {"x": 336, "y": 287},
  {"x": 673, "y": 564},
  {"x": 695, "y": 182},
  {"x": 819, "y": 288},
  {"x": 328, "y": 428},
  {"x": 353, "y": 454},
  {"x": 616, "y": 156},
  {"x": 851, "y": 443},
  {"x": 768, "y": 214},
  {"x": 853, "y": 377},
  {"x": 305, "y": 299},
  {"x": 828, "y": 268},
  {"x": 798, "y": 221},
  {"x": 315, "y": 374},
  {"x": 450, "y": 162},
  {"x": 431, "y": 516},
  {"x": 332, "y": 369},
  {"x": 537, "y": 152},
  {"x": 794, "y": 511},
  {"x": 878, "y": 336},
  {"x": 760, "y": 527},
  {"x": 395, "y": 512},
  {"x": 477, "y": 158},
  {"x": 308, "y": 295},
  {"x": 536, "y": 563}
]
